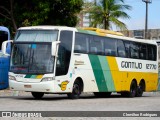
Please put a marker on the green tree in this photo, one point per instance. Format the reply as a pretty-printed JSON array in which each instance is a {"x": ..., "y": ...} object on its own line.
[
  {"x": 17, "y": 13},
  {"x": 7, "y": 13},
  {"x": 65, "y": 12},
  {"x": 108, "y": 12}
]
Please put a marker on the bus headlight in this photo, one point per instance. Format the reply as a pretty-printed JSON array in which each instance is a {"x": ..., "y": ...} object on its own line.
[
  {"x": 12, "y": 78},
  {"x": 47, "y": 79}
]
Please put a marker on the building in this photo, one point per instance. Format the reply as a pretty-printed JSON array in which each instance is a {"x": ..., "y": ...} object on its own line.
[
  {"x": 153, "y": 34},
  {"x": 84, "y": 20}
]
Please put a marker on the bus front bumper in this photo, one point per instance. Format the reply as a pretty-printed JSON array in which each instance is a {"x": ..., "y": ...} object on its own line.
[{"x": 46, "y": 87}]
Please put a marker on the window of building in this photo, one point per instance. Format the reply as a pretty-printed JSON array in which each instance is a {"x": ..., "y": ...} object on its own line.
[{"x": 138, "y": 34}]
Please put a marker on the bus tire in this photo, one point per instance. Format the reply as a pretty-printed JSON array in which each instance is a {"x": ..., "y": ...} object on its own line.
[
  {"x": 124, "y": 94},
  {"x": 140, "y": 89},
  {"x": 132, "y": 92},
  {"x": 76, "y": 92},
  {"x": 133, "y": 89},
  {"x": 102, "y": 94},
  {"x": 37, "y": 95}
]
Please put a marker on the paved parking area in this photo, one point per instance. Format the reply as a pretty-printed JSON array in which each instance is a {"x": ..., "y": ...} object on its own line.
[{"x": 22, "y": 101}]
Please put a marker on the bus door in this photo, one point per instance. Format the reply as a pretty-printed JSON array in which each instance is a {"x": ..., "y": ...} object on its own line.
[{"x": 4, "y": 60}]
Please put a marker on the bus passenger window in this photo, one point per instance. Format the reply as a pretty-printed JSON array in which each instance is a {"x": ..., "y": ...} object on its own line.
[
  {"x": 93, "y": 50},
  {"x": 107, "y": 51},
  {"x": 127, "y": 49},
  {"x": 96, "y": 45},
  {"x": 81, "y": 43},
  {"x": 152, "y": 51},
  {"x": 121, "y": 49},
  {"x": 134, "y": 48},
  {"x": 143, "y": 52},
  {"x": 77, "y": 48},
  {"x": 110, "y": 47}
]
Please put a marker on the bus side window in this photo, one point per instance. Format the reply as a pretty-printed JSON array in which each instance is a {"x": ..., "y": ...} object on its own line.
[
  {"x": 127, "y": 49},
  {"x": 110, "y": 47},
  {"x": 142, "y": 51},
  {"x": 81, "y": 43},
  {"x": 107, "y": 51},
  {"x": 96, "y": 45},
  {"x": 159, "y": 52},
  {"x": 134, "y": 49},
  {"x": 121, "y": 49},
  {"x": 93, "y": 50},
  {"x": 152, "y": 51},
  {"x": 77, "y": 48}
]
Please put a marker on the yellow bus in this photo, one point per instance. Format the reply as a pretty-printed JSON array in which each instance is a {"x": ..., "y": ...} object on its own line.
[{"x": 66, "y": 60}]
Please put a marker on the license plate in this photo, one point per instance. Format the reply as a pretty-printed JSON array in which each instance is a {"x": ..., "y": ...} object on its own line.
[{"x": 27, "y": 86}]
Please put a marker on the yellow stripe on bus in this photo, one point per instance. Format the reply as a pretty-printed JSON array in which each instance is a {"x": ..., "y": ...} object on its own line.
[
  {"x": 39, "y": 76},
  {"x": 123, "y": 79}
]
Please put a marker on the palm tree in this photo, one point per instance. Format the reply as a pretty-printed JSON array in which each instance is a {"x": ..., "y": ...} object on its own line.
[{"x": 108, "y": 12}]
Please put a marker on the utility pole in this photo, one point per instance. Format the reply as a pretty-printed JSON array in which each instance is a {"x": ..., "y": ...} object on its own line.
[
  {"x": 95, "y": 2},
  {"x": 146, "y": 20}
]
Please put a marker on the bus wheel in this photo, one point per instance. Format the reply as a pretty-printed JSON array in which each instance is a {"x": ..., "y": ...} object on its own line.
[
  {"x": 140, "y": 89},
  {"x": 102, "y": 94},
  {"x": 37, "y": 95},
  {"x": 133, "y": 89},
  {"x": 76, "y": 91},
  {"x": 132, "y": 92},
  {"x": 124, "y": 94}
]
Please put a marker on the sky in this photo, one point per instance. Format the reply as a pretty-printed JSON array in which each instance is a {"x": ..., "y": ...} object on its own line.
[{"x": 138, "y": 13}]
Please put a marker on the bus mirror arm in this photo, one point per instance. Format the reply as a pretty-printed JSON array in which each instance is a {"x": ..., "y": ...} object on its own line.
[
  {"x": 4, "y": 47},
  {"x": 54, "y": 48}
]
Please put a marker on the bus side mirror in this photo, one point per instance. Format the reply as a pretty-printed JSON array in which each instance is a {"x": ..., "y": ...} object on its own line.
[
  {"x": 54, "y": 48},
  {"x": 4, "y": 47}
]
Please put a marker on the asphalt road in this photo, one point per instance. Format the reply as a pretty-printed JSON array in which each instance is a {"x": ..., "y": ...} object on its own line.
[{"x": 9, "y": 101}]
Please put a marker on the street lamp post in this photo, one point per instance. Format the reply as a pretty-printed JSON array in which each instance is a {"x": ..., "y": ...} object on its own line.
[{"x": 146, "y": 20}]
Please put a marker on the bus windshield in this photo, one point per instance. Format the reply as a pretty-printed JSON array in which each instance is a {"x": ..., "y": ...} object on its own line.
[
  {"x": 31, "y": 58},
  {"x": 36, "y": 35}
]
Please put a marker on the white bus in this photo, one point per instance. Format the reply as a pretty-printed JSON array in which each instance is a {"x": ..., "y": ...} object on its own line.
[{"x": 65, "y": 60}]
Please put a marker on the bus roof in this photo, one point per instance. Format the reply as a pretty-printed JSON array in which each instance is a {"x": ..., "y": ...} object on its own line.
[
  {"x": 93, "y": 31},
  {"x": 47, "y": 28},
  {"x": 158, "y": 41}
]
